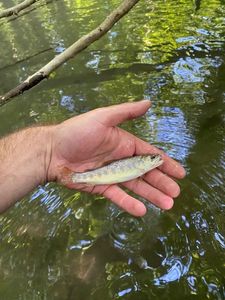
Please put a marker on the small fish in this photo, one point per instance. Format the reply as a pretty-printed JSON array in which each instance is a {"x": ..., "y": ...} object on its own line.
[{"x": 119, "y": 171}]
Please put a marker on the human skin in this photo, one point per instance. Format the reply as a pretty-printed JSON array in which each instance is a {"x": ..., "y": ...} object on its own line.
[{"x": 42, "y": 154}]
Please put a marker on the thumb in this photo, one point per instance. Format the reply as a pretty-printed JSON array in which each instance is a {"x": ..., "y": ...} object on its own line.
[{"x": 116, "y": 114}]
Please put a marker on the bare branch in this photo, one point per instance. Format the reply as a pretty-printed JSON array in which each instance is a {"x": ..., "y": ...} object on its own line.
[
  {"x": 70, "y": 52},
  {"x": 27, "y": 11},
  {"x": 16, "y": 9}
]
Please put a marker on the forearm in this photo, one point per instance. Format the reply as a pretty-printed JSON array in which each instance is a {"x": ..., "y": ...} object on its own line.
[{"x": 24, "y": 159}]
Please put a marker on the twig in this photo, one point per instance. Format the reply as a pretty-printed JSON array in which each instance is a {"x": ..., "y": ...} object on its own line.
[
  {"x": 27, "y": 11},
  {"x": 70, "y": 52},
  {"x": 14, "y": 10}
]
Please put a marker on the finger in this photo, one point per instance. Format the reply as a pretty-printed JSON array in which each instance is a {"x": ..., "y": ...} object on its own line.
[
  {"x": 116, "y": 114},
  {"x": 140, "y": 187},
  {"x": 125, "y": 201},
  {"x": 170, "y": 166},
  {"x": 162, "y": 182}
]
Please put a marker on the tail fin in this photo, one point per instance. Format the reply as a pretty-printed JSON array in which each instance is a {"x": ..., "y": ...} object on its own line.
[{"x": 65, "y": 175}]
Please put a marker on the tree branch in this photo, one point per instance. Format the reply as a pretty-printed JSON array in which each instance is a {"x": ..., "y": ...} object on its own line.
[
  {"x": 70, "y": 52},
  {"x": 16, "y": 9},
  {"x": 27, "y": 11}
]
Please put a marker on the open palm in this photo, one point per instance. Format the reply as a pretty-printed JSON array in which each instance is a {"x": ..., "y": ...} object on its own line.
[{"x": 92, "y": 139}]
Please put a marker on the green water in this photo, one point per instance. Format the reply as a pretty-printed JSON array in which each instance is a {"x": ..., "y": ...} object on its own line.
[{"x": 59, "y": 244}]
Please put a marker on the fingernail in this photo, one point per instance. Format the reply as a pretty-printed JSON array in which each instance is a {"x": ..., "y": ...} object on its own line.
[
  {"x": 182, "y": 173},
  {"x": 168, "y": 203},
  {"x": 173, "y": 189},
  {"x": 146, "y": 100},
  {"x": 140, "y": 209}
]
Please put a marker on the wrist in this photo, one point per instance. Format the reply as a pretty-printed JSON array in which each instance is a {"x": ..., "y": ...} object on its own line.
[
  {"x": 38, "y": 141},
  {"x": 48, "y": 134},
  {"x": 41, "y": 155}
]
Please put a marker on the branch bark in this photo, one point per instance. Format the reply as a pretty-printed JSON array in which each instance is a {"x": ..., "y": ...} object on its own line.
[
  {"x": 14, "y": 10},
  {"x": 70, "y": 52}
]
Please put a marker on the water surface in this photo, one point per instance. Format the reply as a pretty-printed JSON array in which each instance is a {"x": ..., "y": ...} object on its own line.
[{"x": 60, "y": 244}]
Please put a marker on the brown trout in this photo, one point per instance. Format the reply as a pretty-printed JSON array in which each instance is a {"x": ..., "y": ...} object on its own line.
[{"x": 120, "y": 170}]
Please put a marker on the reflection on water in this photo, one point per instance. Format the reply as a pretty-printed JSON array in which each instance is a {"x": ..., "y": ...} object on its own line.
[
  {"x": 60, "y": 244},
  {"x": 128, "y": 235},
  {"x": 171, "y": 132}
]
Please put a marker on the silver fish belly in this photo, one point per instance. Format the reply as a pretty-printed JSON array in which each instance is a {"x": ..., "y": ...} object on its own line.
[{"x": 119, "y": 171}]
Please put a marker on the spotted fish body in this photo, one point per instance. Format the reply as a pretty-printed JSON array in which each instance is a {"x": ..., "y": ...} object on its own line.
[{"x": 119, "y": 171}]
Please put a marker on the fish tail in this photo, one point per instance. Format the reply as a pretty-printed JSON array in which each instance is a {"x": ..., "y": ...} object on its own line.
[{"x": 65, "y": 176}]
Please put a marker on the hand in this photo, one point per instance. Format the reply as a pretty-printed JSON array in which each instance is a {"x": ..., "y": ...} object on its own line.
[{"x": 92, "y": 139}]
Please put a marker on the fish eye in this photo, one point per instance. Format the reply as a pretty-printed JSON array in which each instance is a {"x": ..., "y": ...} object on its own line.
[{"x": 156, "y": 156}]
